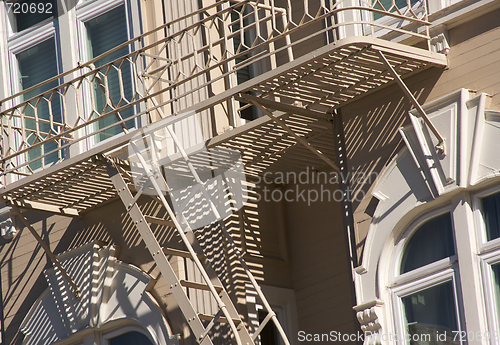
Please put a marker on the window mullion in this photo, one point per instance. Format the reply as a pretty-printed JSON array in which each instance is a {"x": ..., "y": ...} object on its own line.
[{"x": 469, "y": 266}]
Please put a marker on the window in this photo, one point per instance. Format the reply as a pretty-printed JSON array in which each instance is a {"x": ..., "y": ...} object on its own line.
[
  {"x": 393, "y": 6},
  {"x": 488, "y": 225},
  {"x": 430, "y": 311},
  {"x": 104, "y": 33},
  {"x": 35, "y": 57},
  {"x": 244, "y": 16},
  {"x": 495, "y": 269},
  {"x": 426, "y": 294},
  {"x": 35, "y": 65},
  {"x": 29, "y": 13},
  {"x": 127, "y": 334},
  {"x": 491, "y": 213},
  {"x": 130, "y": 338},
  {"x": 282, "y": 302},
  {"x": 432, "y": 241}
]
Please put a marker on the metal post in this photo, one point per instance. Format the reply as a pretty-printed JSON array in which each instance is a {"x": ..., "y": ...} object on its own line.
[{"x": 347, "y": 216}]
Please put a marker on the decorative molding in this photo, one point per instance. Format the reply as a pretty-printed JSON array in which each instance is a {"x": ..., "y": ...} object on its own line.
[
  {"x": 412, "y": 181},
  {"x": 439, "y": 43},
  {"x": 110, "y": 291},
  {"x": 370, "y": 318}
]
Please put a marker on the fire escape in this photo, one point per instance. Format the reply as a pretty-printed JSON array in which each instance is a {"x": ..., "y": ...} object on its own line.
[{"x": 189, "y": 67}]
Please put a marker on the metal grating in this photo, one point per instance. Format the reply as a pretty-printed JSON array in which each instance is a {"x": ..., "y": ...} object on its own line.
[
  {"x": 315, "y": 83},
  {"x": 70, "y": 190},
  {"x": 338, "y": 74},
  {"x": 266, "y": 147}
]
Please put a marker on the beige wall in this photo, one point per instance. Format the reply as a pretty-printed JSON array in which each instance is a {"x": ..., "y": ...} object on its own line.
[{"x": 319, "y": 267}]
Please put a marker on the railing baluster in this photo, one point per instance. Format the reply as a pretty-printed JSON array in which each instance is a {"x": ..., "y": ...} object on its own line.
[{"x": 195, "y": 52}]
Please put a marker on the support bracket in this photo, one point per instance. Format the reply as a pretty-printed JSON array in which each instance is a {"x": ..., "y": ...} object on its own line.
[
  {"x": 296, "y": 136},
  {"x": 441, "y": 141}
]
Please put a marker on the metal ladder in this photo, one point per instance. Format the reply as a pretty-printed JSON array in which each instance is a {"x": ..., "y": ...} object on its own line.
[{"x": 227, "y": 312}]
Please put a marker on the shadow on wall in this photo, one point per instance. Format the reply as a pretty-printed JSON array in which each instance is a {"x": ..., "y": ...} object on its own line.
[
  {"x": 23, "y": 261},
  {"x": 372, "y": 139},
  {"x": 112, "y": 225}
]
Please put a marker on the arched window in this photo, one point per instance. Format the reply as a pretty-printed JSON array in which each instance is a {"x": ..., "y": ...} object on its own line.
[
  {"x": 432, "y": 241},
  {"x": 129, "y": 338},
  {"x": 426, "y": 290}
]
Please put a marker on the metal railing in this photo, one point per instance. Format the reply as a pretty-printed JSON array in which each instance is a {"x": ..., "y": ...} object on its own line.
[{"x": 201, "y": 54}]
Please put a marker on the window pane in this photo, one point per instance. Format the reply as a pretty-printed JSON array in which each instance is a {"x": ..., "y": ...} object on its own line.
[
  {"x": 491, "y": 213},
  {"x": 431, "y": 242},
  {"x": 104, "y": 33},
  {"x": 36, "y": 65},
  {"x": 131, "y": 338},
  {"x": 430, "y": 313},
  {"x": 32, "y": 12},
  {"x": 496, "y": 288},
  {"x": 401, "y": 4}
]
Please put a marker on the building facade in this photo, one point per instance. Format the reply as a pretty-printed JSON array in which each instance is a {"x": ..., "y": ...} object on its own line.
[{"x": 344, "y": 151}]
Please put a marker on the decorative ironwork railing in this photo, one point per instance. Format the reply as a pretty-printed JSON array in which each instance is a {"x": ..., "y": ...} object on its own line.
[{"x": 175, "y": 66}]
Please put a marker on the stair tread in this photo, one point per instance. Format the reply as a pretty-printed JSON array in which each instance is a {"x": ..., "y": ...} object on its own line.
[
  {"x": 222, "y": 319},
  {"x": 183, "y": 253},
  {"x": 200, "y": 286},
  {"x": 159, "y": 221}
]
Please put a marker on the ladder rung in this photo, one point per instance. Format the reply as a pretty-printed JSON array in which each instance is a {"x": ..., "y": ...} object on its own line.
[
  {"x": 183, "y": 253},
  {"x": 221, "y": 319},
  {"x": 159, "y": 221},
  {"x": 199, "y": 286}
]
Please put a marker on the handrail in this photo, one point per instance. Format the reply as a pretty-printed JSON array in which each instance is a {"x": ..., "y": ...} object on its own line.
[{"x": 171, "y": 62}]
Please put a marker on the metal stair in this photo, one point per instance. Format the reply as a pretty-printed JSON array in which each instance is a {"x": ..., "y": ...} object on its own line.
[{"x": 153, "y": 183}]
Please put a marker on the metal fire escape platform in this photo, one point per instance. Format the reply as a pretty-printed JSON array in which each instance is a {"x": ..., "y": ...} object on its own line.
[{"x": 321, "y": 81}]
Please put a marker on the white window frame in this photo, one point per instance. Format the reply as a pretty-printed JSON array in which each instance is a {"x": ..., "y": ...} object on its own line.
[
  {"x": 487, "y": 261},
  {"x": 402, "y": 241},
  {"x": 29, "y": 39},
  {"x": 424, "y": 277},
  {"x": 86, "y": 11},
  {"x": 489, "y": 255},
  {"x": 387, "y": 20},
  {"x": 22, "y": 41},
  {"x": 484, "y": 244},
  {"x": 424, "y": 283}
]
